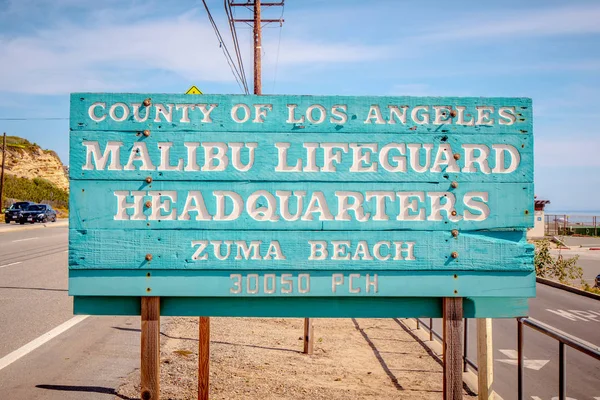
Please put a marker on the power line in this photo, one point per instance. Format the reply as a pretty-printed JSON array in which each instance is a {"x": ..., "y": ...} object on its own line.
[
  {"x": 236, "y": 43},
  {"x": 278, "y": 45},
  {"x": 34, "y": 119},
  {"x": 234, "y": 70}
]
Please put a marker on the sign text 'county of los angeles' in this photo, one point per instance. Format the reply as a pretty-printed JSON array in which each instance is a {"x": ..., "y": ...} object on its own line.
[{"x": 318, "y": 197}]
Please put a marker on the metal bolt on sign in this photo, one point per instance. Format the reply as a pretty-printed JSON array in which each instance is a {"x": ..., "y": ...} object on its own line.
[
  {"x": 146, "y": 132},
  {"x": 147, "y": 102},
  {"x": 148, "y": 179},
  {"x": 454, "y": 254},
  {"x": 454, "y": 184},
  {"x": 148, "y": 257}
]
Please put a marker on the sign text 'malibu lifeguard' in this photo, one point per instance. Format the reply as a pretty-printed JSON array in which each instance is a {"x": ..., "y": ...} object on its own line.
[{"x": 300, "y": 205}]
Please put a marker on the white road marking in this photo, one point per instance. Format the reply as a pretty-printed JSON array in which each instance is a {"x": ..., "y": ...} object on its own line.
[
  {"x": 575, "y": 315},
  {"x": 513, "y": 356},
  {"x": 556, "y": 398},
  {"x": 510, "y": 353},
  {"x": 23, "y": 240},
  {"x": 8, "y": 265},
  {"x": 35, "y": 343},
  {"x": 535, "y": 365}
]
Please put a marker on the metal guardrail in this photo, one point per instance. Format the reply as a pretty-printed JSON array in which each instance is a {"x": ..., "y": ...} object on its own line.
[
  {"x": 466, "y": 361},
  {"x": 563, "y": 340},
  {"x": 562, "y": 224}
]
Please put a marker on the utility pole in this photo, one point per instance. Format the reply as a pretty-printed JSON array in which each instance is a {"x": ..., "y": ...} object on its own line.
[
  {"x": 2, "y": 174},
  {"x": 257, "y": 32},
  {"x": 257, "y": 48}
]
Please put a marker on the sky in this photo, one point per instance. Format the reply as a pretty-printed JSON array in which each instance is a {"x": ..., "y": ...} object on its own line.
[{"x": 547, "y": 50}]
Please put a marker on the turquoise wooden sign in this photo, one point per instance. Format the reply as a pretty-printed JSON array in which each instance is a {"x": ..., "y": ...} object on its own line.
[{"x": 300, "y": 206}]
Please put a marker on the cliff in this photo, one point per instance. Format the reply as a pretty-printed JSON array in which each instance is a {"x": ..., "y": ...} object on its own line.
[{"x": 28, "y": 160}]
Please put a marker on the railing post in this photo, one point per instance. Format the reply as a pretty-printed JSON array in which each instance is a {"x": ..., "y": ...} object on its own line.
[
  {"x": 562, "y": 372},
  {"x": 430, "y": 329},
  {"x": 520, "y": 359},
  {"x": 466, "y": 337},
  {"x": 417, "y": 323}
]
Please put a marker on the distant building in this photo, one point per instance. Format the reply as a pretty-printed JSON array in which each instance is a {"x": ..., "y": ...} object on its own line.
[{"x": 539, "y": 227}]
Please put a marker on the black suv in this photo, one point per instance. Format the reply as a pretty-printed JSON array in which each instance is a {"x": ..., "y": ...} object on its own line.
[
  {"x": 38, "y": 213},
  {"x": 15, "y": 211}
]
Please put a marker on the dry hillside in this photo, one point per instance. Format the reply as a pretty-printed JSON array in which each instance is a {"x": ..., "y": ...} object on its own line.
[{"x": 28, "y": 160}]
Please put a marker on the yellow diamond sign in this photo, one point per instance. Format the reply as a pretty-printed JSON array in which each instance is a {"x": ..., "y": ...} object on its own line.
[{"x": 193, "y": 90}]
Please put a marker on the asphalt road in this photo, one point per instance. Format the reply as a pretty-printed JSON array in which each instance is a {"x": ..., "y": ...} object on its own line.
[
  {"x": 589, "y": 260},
  {"x": 89, "y": 360},
  {"x": 573, "y": 314},
  {"x": 86, "y": 361}
]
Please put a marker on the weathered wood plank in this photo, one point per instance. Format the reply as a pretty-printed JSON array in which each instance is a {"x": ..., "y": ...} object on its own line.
[
  {"x": 325, "y": 206},
  {"x": 295, "y": 307},
  {"x": 122, "y": 111},
  {"x": 301, "y": 250},
  {"x": 251, "y": 156},
  {"x": 302, "y": 284}
]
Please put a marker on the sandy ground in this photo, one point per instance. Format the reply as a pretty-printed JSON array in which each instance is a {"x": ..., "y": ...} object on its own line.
[{"x": 255, "y": 358}]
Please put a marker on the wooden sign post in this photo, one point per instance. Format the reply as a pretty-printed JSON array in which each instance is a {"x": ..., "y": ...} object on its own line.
[
  {"x": 308, "y": 336},
  {"x": 150, "y": 348},
  {"x": 485, "y": 359},
  {"x": 452, "y": 351},
  {"x": 203, "y": 357},
  {"x": 300, "y": 207},
  {"x": 203, "y": 330}
]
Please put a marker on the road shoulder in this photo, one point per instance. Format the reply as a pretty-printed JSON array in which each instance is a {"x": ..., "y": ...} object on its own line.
[{"x": 258, "y": 358}]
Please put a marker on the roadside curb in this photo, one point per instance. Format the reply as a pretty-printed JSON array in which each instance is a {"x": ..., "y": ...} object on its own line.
[
  {"x": 57, "y": 224},
  {"x": 568, "y": 288},
  {"x": 436, "y": 351}
]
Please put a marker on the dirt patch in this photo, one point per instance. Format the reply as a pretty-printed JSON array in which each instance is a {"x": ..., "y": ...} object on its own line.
[{"x": 257, "y": 358}]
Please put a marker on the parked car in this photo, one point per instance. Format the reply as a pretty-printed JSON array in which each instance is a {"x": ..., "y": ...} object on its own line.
[
  {"x": 14, "y": 212},
  {"x": 38, "y": 213}
]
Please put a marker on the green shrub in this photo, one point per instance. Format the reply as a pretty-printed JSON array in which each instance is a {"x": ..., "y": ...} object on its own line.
[
  {"x": 563, "y": 269},
  {"x": 37, "y": 190}
]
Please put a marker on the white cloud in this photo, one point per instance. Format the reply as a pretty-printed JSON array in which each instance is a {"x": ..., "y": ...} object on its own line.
[
  {"x": 117, "y": 57},
  {"x": 550, "y": 22}
]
